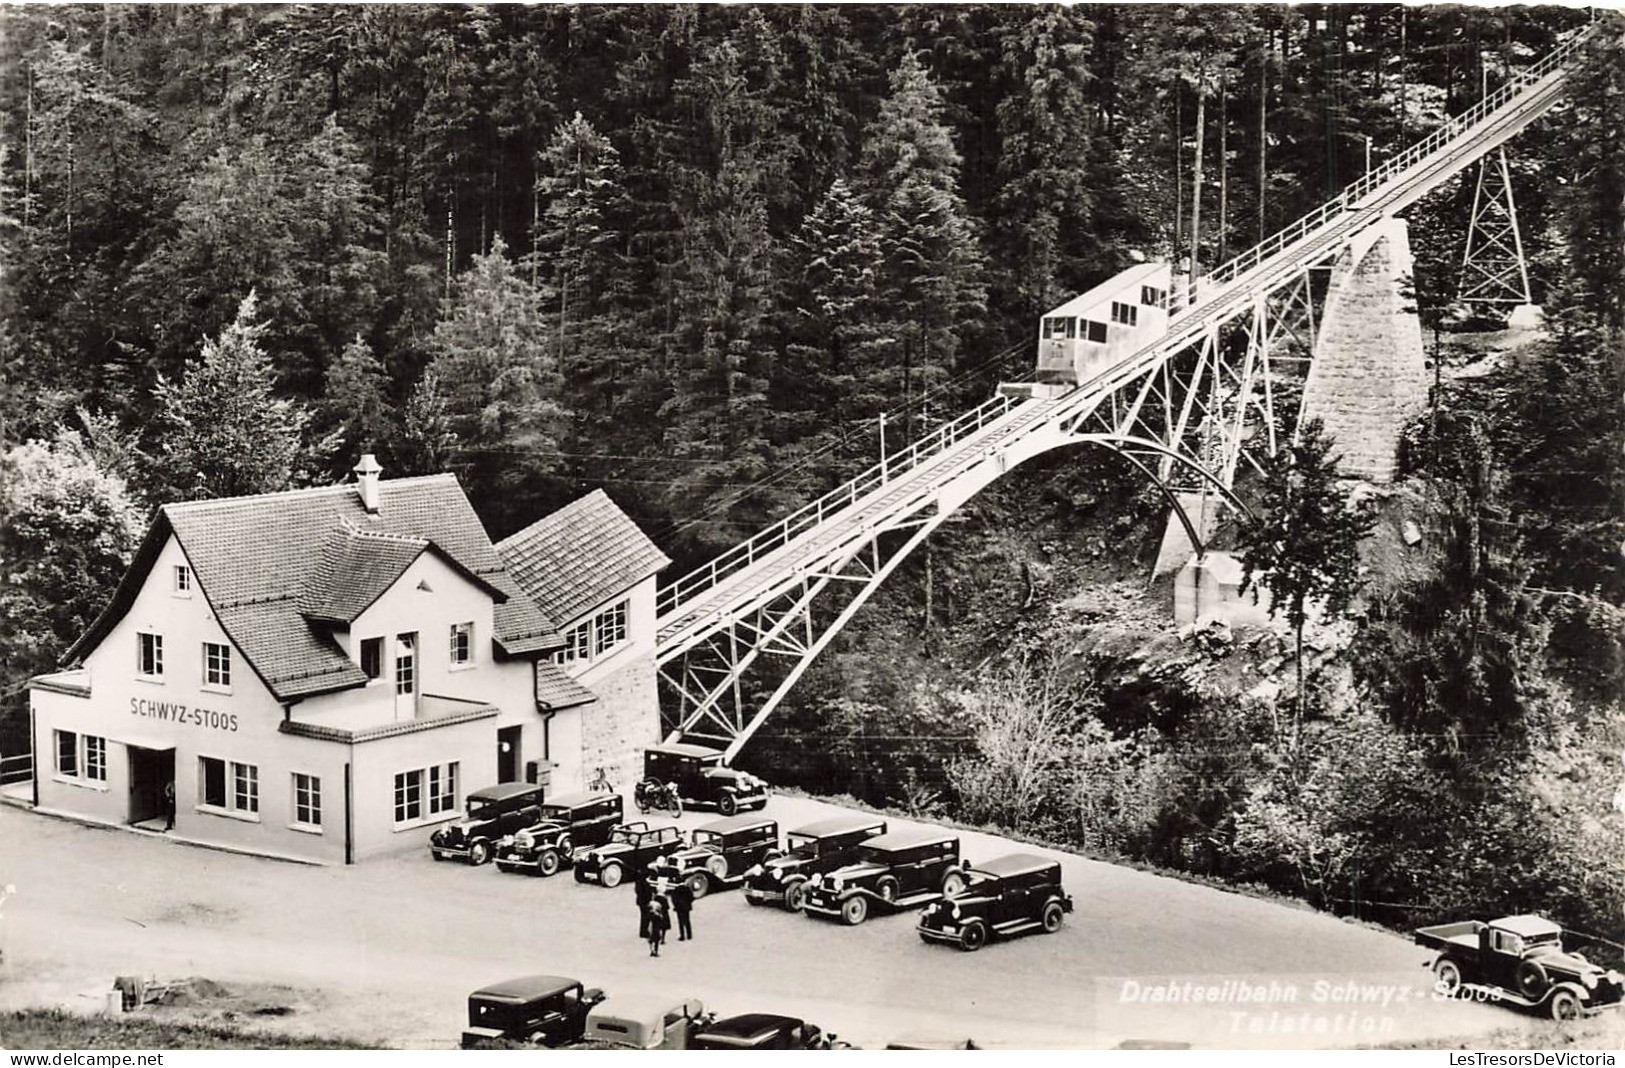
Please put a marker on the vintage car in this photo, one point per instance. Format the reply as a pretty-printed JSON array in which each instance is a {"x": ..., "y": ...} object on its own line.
[
  {"x": 892, "y": 871},
  {"x": 566, "y": 824},
  {"x": 641, "y": 1022},
  {"x": 1007, "y": 896},
  {"x": 760, "y": 1030},
  {"x": 492, "y": 814},
  {"x": 546, "y": 1010},
  {"x": 719, "y": 854},
  {"x": 1520, "y": 960},
  {"x": 811, "y": 850},
  {"x": 630, "y": 848},
  {"x": 701, "y": 779}
]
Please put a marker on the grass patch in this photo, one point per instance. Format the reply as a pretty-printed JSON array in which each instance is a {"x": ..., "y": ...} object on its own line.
[{"x": 49, "y": 1029}]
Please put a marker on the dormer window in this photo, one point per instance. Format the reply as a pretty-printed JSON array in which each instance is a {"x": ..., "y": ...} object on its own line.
[{"x": 183, "y": 580}]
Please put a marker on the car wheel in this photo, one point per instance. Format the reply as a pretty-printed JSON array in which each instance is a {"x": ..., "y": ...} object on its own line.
[
  {"x": 1054, "y": 916},
  {"x": 1533, "y": 981},
  {"x": 1565, "y": 1006},
  {"x": 728, "y": 805},
  {"x": 973, "y": 937},
  {"x": 795, "y": 895},
  {"x": 854, "y": 910},
  {"x": 887, "y": 889},
  {"x": 611, "y": 875},
  {"x": 952, "y": 884},
  {"x": 698, "y": 884},
  {"x": 479, "y": 852},
  {"x": 548, "y": 863},
  {"x": 1446, "y": 976},
  {"x": 564, "y": 846}
]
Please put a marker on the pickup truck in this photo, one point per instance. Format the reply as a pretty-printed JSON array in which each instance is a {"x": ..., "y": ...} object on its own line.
[{"x": 1520, "y": 960}]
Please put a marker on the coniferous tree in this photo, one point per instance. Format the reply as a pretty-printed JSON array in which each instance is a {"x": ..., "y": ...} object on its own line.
[
  {"x": 222, "y": 431},
  {"x": 1303, "y": 547},
  {"x": 500, "y": 383},
  {"x": 354, "y": 414},
  {"x": 932, "y": 276}
]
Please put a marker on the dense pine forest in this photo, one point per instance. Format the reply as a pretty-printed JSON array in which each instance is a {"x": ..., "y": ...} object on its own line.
[{"x": 693, "y": 254}]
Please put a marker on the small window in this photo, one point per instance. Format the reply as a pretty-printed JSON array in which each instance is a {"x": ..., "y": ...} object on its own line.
[
  {"x": 183, "y": 580},
  {"x": 217, "y": 665},
  {"x": 307, "y": 800},
  {"x": 442, "y": 789},
  {"x": 577, "y": 644},
  {"x": 1152, "y": 297},
  {"x": 372, "y": 657},
  {"x": 67, "y": 754},
  {"x": 1125, "y": 313},
  {"x": 1096, "y": 331},
  {"x": 150, "y": 655},
  {"x": 408, "y": 796},
  {"x": 405, "y": 663},
  {"x": 245, "y": 787},
  {"x": 213, "y": 773},
  {"x": 462, "y": 643},
  {"x": 95, "y": 758}
]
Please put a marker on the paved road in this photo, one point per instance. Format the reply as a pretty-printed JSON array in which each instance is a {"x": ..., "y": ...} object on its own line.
[{"x": 388, "y": 950}]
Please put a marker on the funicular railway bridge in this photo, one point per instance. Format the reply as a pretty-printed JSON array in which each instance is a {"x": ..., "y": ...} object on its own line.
[{"x": 1186, "y": 408}]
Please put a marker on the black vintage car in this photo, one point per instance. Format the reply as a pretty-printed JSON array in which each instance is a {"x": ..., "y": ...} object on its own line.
[
  {"x": 630, "y": 848},
  {"x": 812, "y": 850},
  {"x": 700, "y": 778},
  {"x": 1007, "y": 896},
  {"x": 892, "y": 871},
  {"x": 719, "y": 854},
  {"x": 545, "y": 1010},
  {"x": 492, "y": 814},
  {"x": 566, "y": 824},
  {"x": 761, "y": 1030}
]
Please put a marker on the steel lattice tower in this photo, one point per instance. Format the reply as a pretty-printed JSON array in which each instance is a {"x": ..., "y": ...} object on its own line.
[{"x": 1493, "y": 268}]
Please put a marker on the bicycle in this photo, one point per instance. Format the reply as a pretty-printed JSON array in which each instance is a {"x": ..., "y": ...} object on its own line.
[{"x": 599, "y": 783}]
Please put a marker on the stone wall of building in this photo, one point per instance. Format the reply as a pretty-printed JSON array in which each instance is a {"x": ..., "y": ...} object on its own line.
[
  {"x": 624, "y": 719},
  {"x": 1369, "y": 375}
]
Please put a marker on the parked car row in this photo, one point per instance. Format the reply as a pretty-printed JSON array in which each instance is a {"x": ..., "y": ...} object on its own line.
[
  {"x": 845, "y": 868},
  {"x": 559, "y": 1012}
]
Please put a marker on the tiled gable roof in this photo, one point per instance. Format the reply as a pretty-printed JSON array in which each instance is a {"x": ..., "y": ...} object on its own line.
[
  {"x": 555, "y": 689},
  {"x": 260, "y": 560},
  {"x": 580, "y": 556}
]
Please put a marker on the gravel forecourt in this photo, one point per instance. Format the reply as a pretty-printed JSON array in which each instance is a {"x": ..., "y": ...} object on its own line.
[{"x": 387, "y": 951}]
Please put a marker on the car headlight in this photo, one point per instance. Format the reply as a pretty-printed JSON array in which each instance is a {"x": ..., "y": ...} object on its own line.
[
  {"x": 953, "y": 910},
  {"x": 525, "y": 840},
  {"x": 1589, "y": 979},
  {"x": 776, "y": 874},
  {"x": 837, "y": 883},
  {"x": 754, "y": 871}
]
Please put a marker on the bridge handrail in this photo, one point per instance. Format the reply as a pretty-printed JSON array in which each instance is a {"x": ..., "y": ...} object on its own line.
[
  {"x": 1361, "y": 187},
  {"x": 813, "y": 514}
]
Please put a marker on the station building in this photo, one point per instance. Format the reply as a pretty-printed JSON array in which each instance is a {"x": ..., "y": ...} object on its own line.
[{"x": 324, "y": 674}]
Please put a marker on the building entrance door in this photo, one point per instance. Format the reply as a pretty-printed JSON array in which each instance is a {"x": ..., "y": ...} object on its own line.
[
  {"x": 508, "y": 754},
  {"x": 152, "y": 783}
]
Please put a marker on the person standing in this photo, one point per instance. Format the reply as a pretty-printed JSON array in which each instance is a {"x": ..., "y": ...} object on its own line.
[
  {"x": 657, "y": 925},
  {"x": 645, "y": 892},
  {"x": 682, "y": 903},
  {"x": 169, "y": 805}
]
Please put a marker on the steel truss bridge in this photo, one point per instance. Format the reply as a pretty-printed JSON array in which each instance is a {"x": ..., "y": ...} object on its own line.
[{"x": 1187, "y": 410}]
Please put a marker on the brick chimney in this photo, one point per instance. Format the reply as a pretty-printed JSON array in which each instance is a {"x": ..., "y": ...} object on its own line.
[{"x": 366, "y": 481}]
